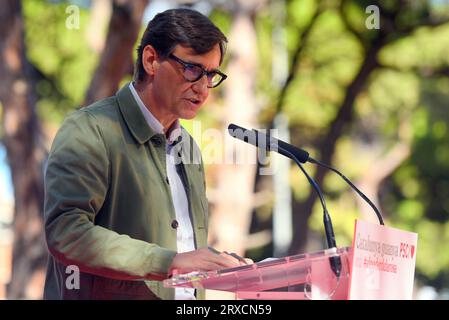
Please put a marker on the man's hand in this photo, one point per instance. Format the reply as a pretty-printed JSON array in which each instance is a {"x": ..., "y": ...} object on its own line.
[{"x": 205, "y": 259}]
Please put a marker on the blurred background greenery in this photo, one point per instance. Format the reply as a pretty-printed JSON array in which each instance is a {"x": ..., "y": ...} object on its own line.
[{"x": 372, "y": 102}]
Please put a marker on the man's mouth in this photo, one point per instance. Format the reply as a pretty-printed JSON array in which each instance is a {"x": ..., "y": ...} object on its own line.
[{"x": 196, "y": 102}]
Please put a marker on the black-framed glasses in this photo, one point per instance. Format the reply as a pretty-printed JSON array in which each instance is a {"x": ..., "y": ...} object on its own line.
[{"x": 194, "y": 72}]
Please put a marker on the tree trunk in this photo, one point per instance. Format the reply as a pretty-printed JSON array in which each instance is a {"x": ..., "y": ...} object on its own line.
[
  {"x": 116, "y": 60},
  {"x": 371, "y": 181},
  {"x": 100, "y": 15},
  {"x": 231, "y": 217},
  {"x": 21, "y": 136},
  {"x": 299, "y": 229}
]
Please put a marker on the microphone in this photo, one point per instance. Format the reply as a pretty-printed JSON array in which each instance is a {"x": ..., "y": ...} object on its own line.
[
  {"x": 251, "y": 136},
  {"x": 259, "y": 139}
]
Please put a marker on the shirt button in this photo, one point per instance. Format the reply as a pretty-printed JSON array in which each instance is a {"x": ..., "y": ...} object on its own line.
[
  {"x": 157, "y": 141},
  {"x": 174, "y": 224}
]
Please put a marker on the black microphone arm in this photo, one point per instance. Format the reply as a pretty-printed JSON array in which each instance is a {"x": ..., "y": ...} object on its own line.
[
  {"x": 335, "y": 261},
  {"x": 360, "y": 193},
  {"x": 286, "y": 149}
]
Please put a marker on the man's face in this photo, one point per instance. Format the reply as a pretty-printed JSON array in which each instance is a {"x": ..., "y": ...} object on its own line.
[{"x": 176, "y": 97}]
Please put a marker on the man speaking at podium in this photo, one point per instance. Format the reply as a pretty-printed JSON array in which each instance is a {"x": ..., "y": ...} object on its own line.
[{"x": 125, "y": 201}]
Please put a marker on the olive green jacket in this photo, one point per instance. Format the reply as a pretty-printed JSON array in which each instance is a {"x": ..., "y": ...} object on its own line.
[{"x": 108, "y": 205}]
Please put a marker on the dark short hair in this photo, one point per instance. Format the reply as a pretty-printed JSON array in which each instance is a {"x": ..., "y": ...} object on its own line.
[{"x": 182, "y": 26}]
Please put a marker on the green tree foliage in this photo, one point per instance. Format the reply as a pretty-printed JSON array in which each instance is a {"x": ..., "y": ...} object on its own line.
[
  {"x": 61, "y": 56},
  {"x": 404, "y": 102}
]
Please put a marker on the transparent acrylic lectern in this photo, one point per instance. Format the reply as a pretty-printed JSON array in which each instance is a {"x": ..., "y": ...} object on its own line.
[{"x": 303, "y": 276}]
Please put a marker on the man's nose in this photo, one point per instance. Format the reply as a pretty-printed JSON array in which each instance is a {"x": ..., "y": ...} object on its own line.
[{"x": 200, "y": 86}]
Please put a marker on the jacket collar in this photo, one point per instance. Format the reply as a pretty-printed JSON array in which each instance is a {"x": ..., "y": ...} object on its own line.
[
  {"x": 174, "y": 135},
  {"x": 133, "y": 117}
]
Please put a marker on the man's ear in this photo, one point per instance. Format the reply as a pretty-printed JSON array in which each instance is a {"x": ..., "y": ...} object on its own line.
[{"x": 149, "y": 57}]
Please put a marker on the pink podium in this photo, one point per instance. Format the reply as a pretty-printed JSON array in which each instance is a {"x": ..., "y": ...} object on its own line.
[
  {"x": 380, "y": 264},
  {"x": 304, "y": 276}
]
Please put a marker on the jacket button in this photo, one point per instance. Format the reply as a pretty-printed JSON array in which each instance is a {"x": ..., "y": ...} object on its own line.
[
  {"x": 157, "y": 141},
  {"x": 166, "y": 180},
  {"x": 174, "y": 224}
]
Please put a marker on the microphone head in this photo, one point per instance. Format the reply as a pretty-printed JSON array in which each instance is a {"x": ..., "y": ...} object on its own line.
[
  {"x": 233, "y": 127},
  {"x": 246, "y": 135},
  {"x": 266, "y": 142}
]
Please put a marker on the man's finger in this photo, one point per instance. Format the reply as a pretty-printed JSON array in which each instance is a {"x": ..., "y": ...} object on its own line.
[
  {"x": 214, "y": 250},
  {"x": 239, "y": 258},
  {"x": 220, "y": 258}
]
